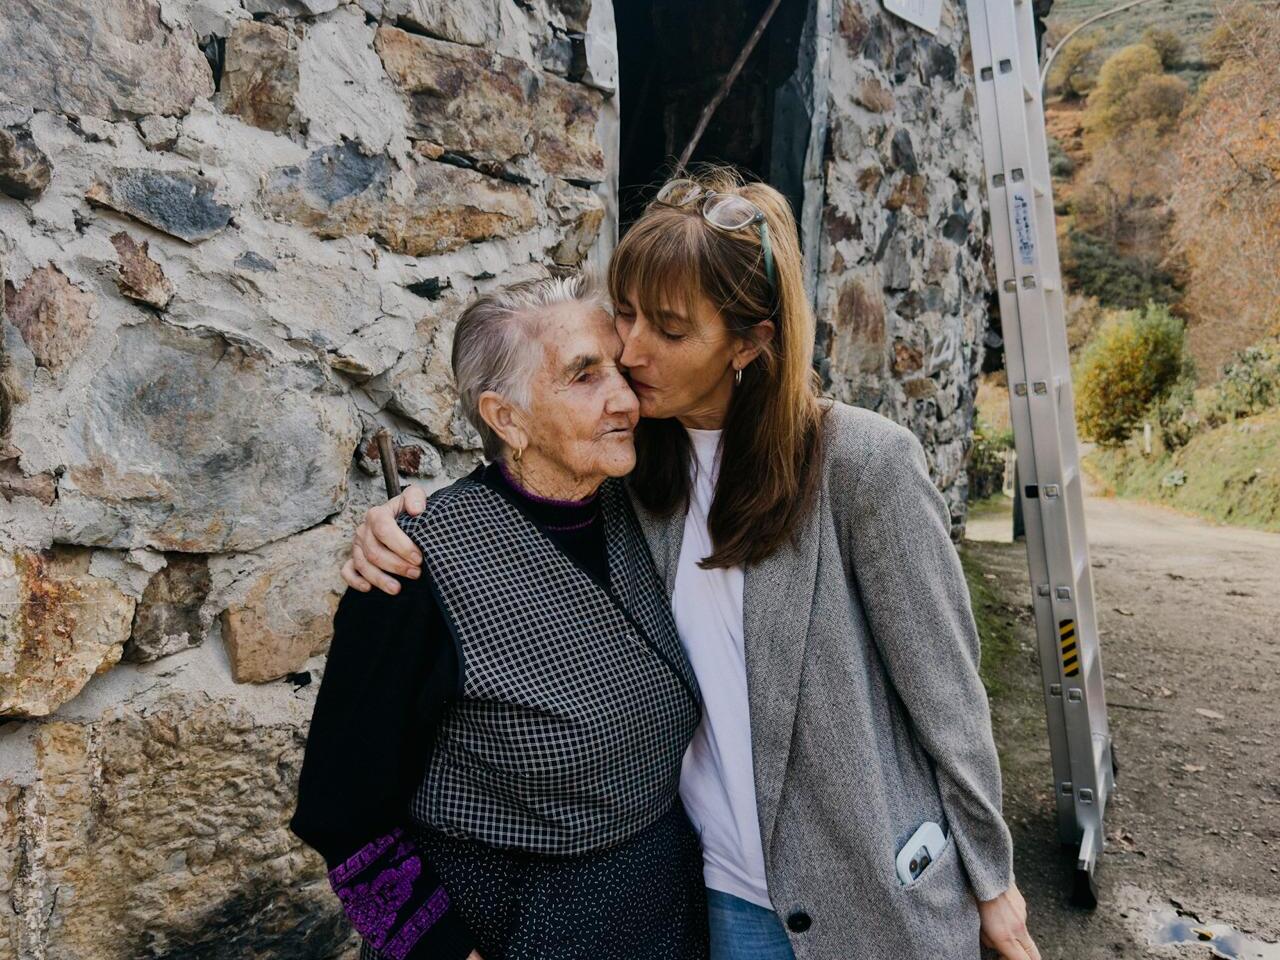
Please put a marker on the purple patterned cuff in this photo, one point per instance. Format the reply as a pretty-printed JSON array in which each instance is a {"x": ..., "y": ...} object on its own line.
[{"x": 386, "y": 895}]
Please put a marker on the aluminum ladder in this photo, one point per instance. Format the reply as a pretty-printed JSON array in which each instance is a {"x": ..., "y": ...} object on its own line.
[{"x": 1041, "y": 401}]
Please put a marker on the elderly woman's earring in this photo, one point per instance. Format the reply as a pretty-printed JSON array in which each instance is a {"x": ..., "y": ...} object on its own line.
[{"x": 516, "y": 454}]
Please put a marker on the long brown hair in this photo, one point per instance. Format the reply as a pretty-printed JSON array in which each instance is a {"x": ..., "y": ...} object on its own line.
[{"x": 771, "y": 448}]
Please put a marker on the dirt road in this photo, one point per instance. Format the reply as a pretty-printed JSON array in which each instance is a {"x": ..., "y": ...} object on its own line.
[{"x": 1188, "y": 613}]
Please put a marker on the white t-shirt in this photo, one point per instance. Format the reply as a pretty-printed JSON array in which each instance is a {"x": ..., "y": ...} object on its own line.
[{"x": 717, "y": 784}]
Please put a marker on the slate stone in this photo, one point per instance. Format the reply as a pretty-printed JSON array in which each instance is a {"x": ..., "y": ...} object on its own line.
[
  {"x": 902, "y": 152},
  {"x": 179, "y": 204},
  {"x": 249, "y": 260},
  {"x": 955, "y": 227},
  {"x": 941, "y": 62}
]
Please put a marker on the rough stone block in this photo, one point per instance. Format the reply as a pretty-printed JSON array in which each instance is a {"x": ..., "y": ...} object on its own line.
[
  {"x": 341, "y": 192},
  {"x": 858, "y": 324},
  {"x": 53, "y": 315},
  {"x": 167, "y": 619},
  {"x": 285, "y": 616},
  {"x": 566, "y": 143},
  {"x": 579, "y": 213},
  {"x": 291, "y": 8},
  {"x": 186, "y": 441},
  {"x": 59, "y": 625},
  {"x": 113, "y": 59},
  {"x": 24, "y": 168},
  {"x": 471, "y": 22},
  {"x": 467, "y": 99},
  {"x": 260, "y": 78},
  {"x": 140, "y": 277},
  {"x": 164, "y": 833}
]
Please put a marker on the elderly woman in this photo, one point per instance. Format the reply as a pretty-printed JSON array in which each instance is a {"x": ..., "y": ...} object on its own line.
[{"x": 492, "y": 766}]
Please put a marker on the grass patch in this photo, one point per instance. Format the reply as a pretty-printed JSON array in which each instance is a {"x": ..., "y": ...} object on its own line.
[
  {"x": 1230, "y": 474},
  {"x": 995, "y": 622}
]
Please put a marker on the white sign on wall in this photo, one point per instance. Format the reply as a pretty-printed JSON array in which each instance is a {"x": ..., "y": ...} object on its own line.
[{"x": 925, "y": 14}]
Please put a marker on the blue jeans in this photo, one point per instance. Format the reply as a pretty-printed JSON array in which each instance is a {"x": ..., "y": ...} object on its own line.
[{"x": 740, "y": 930}]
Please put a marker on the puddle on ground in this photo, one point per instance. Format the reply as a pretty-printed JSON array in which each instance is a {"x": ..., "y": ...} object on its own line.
[{"x": 1176, "y": 927}]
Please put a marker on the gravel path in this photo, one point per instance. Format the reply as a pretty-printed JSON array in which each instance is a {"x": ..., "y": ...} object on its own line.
[{"x": 1188, "y": 612}]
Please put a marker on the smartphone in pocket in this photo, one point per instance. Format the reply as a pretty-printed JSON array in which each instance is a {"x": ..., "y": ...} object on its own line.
[{"x": 924, "y": 847}]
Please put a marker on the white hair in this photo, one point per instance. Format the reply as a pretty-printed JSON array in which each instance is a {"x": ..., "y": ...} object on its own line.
[{"x": 496, "y": 345}]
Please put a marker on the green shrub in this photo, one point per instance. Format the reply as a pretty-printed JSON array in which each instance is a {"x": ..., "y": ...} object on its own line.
[
  {"x": 1060, "y": 164},
  {"x": 1096, "y": 268},
  {"x": 1166, "y": 43},
  {"x": 1176, "y": 414},
  {"x": 986, "y": 459},
  {"x": 1132, "y": 363},
  {"x": 1119, "y": 77},
  {"x": 1075, "y": 69},
  {"x": 1250, "y": 383}
]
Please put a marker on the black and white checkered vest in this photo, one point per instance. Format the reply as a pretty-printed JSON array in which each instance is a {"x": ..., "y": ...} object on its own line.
[{"x": 577, "y": 702}]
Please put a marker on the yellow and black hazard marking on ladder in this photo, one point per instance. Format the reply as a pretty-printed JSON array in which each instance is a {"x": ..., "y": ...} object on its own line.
[{"x": 1070, "y": 651}]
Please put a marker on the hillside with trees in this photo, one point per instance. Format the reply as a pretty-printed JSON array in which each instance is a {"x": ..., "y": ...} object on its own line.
[{"x": 1165, "y": 150}]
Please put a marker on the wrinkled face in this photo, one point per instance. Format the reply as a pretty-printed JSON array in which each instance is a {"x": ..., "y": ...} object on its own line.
[
  {"x": 679, "y": 365},
  {"x": 582, "y": 413}
]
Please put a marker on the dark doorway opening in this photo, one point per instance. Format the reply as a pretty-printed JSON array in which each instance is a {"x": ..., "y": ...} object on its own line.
[{"x": 672, "y": 57}]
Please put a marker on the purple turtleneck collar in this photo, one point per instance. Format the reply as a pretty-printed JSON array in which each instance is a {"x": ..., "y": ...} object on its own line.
[{"x": 547, "y": 513}]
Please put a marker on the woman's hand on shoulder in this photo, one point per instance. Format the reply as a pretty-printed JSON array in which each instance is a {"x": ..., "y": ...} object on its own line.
[
  {"x": 380, "y": 548},
  {"x": 1004, "y": 926}
]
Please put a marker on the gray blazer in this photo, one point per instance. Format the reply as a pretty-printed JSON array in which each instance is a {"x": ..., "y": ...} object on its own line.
[{"x": 867, "y": 713}]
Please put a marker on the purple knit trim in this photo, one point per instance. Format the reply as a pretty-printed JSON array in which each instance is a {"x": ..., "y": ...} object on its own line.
[
  {"x": 370, "y": 852},
  {"x": 529, "y": 494},
  {"x": 417, "y": 925},
  {"x": 572, "y": 527},
  {"x": 372, "y": 907}
]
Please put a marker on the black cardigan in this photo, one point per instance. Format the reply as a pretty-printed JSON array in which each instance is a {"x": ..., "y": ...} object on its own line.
[{"x": 391, "y": 673}]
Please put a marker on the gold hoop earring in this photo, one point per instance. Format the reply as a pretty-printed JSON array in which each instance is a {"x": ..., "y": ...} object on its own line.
[{"x": 517, "y": 453}]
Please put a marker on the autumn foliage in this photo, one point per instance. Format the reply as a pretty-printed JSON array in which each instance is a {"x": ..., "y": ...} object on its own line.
[
  {"x": 1226, "y": 198},
  {"x": 1130, "y": 365}
]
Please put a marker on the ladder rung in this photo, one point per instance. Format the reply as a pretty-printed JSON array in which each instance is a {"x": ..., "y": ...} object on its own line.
[
  {"x": 1028, "y": 92},
  {"x": 1040, "y": 189}
]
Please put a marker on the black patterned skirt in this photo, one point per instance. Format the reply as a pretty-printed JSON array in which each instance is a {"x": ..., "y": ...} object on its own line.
[{"x": 643, "y": 899}]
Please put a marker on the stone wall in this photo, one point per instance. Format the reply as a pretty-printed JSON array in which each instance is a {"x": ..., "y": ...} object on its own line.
[
  {"x": 233, "y": 238},
  {"x": 903, "y": 268}
]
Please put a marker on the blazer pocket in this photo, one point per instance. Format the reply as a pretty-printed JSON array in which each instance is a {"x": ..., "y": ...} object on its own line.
[{"x": 946, "y": 865}]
